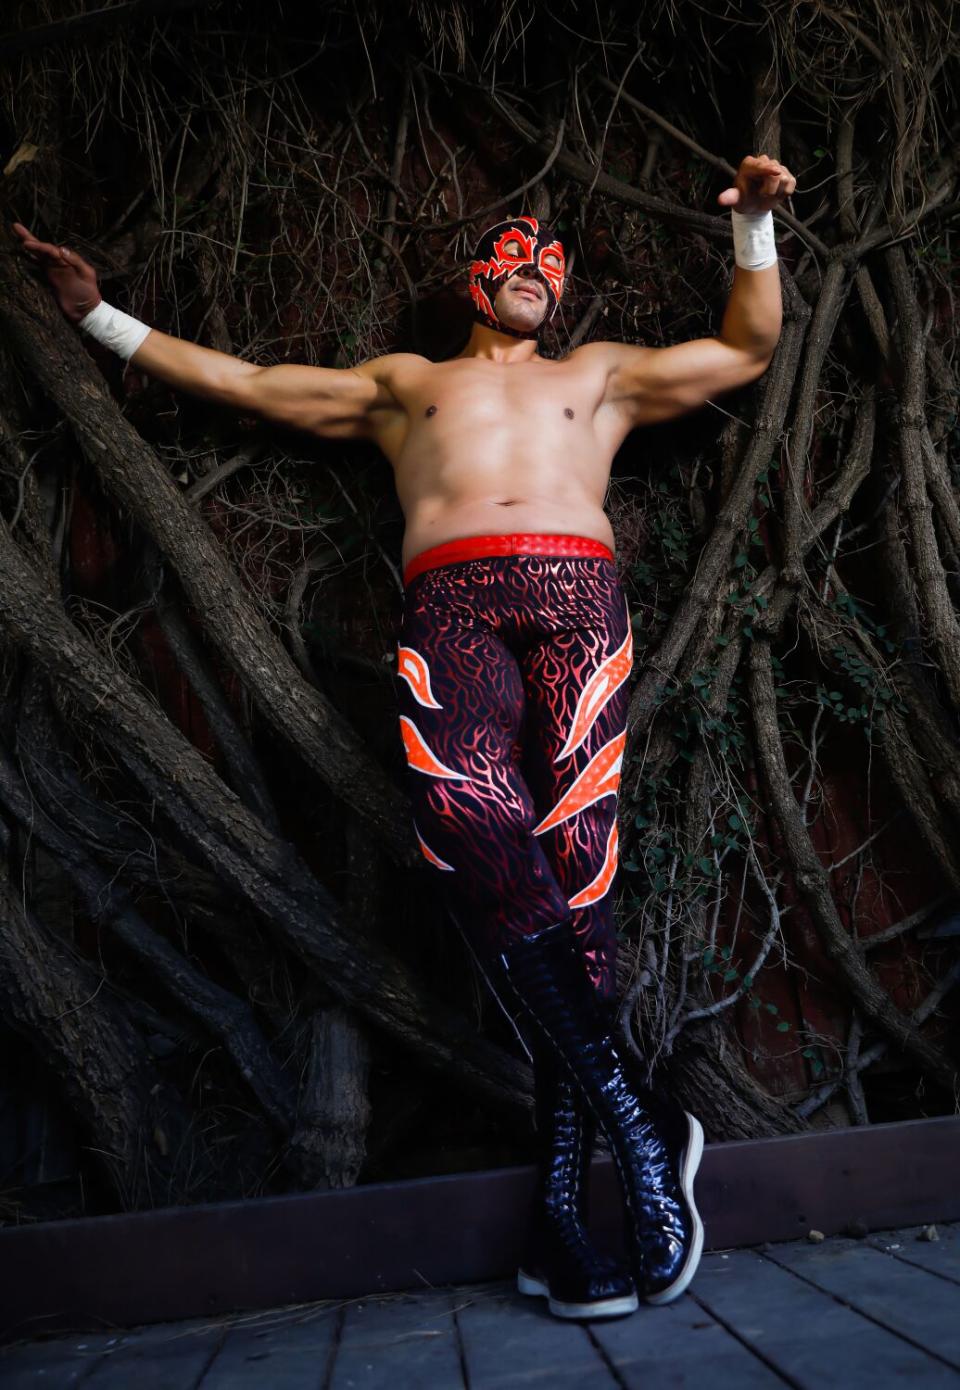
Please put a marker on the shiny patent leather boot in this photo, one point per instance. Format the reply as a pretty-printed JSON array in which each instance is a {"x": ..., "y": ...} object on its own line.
[
  {"x": 559, "y": 1260},
  {"x": 656, "y": 1145}
]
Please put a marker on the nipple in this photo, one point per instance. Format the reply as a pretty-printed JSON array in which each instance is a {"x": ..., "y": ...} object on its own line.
[
  {"x": 430, "y": 410},
  {"x": 568, "y": 412}
]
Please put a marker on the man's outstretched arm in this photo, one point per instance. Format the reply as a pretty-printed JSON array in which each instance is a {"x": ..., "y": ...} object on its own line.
[
  {"x": 653, "y": 384},
  {"x": 332, "y": 402}
]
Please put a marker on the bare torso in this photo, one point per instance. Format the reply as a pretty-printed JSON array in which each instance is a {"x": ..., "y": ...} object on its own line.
[{"x": 482, "y": 447}]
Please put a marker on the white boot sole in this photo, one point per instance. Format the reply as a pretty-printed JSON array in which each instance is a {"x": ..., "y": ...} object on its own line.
[
  {"x": 691, "y": 1162},
  {"x": 603, "y": 1308}
]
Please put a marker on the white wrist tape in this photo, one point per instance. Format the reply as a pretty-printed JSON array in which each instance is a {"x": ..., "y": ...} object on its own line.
[
  {"x": 753, "y": 245},
  {"x": 114, "y": 329}
]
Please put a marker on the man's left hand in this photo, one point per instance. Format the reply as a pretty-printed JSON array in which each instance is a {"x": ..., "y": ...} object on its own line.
[{"x": 761, "y": 184}]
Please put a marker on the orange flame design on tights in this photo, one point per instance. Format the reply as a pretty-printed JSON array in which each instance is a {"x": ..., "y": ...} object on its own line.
[
  {"x": 601, "y": 884},
  {"x": 415, "y": 671},
  {"x": 600, "y": 777},
  {"x": 419, "y": 756},
  {"x": 599, "y": 689}
]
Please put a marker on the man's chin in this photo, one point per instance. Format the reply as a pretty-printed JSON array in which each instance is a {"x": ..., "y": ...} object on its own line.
[{"x": 524, "y": 322}]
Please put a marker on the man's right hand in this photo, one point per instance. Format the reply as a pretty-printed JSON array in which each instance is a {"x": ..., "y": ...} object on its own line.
[{"x": 73, "y": 280}]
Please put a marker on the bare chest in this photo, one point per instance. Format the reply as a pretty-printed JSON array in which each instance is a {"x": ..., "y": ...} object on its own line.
[{"x": 511, "y": 411}]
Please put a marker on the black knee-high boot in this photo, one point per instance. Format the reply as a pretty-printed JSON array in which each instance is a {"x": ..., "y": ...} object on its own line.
[
  {"x": 559, "y": 1259},
  {"x": 655, "y": 1144}
]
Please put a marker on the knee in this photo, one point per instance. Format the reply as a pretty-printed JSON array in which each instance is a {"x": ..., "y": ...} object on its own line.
[{"x": 473, "y": 817}]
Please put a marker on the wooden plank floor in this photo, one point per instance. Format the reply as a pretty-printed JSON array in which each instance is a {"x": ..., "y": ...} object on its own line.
[{"x": 849, "y": 1313}]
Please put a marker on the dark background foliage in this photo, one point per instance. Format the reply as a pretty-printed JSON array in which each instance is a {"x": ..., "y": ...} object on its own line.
[{"x": 292, "y": 182}]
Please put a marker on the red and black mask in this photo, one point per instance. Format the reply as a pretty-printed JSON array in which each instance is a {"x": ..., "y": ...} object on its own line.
[{"x": 521, "y": 246}]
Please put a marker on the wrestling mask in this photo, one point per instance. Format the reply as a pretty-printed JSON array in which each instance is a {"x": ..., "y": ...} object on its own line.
[{"x": 504, "y": 249}]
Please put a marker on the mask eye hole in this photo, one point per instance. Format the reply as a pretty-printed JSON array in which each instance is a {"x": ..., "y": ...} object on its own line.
[
  {"x": 512, "y": 247},
  {"x": 552, "y": 260}
]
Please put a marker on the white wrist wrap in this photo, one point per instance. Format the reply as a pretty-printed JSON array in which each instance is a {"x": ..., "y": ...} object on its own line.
[
  {"x": 753, "y": 245},
  {"x": 114, "y": 329}
]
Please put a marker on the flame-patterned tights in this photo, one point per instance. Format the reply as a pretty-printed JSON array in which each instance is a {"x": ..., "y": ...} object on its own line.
[{"x": 514, "y": 653}]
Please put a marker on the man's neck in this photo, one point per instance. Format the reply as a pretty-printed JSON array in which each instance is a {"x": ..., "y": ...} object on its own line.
[{"x": 498, "y": 347}]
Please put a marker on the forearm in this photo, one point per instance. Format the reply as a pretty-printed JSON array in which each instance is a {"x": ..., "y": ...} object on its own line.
[
  {"x": 187, "y": 366},
  {"x": 184, "y": 365},
  {"x": 754, "y": 312}
]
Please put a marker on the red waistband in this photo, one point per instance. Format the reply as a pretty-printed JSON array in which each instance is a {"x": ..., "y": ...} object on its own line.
[{"x": 477, "y": 547}]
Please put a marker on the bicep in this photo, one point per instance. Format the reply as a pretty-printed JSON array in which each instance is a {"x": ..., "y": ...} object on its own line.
[
  {"x": 334, "y": 402},
  {"x": 654, "y": 384}
]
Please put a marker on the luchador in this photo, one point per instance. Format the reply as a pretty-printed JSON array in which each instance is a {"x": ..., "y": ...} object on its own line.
[{"x": 514, "y": 657}]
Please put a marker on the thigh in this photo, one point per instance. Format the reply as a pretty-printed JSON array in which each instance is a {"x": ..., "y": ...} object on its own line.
[
  {"x": 461, "y": 705},
  {"x": 577, "y": 692},
  {"x": 461, "y": 697}
]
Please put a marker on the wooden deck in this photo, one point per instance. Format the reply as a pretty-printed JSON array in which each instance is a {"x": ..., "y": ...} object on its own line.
[{"x": 849, "y": 1313}]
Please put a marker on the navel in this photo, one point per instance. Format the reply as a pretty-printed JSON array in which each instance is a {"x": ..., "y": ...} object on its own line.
[
  {"x": 430, "y": 410},
  {"x": 568, "y": 412}
]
